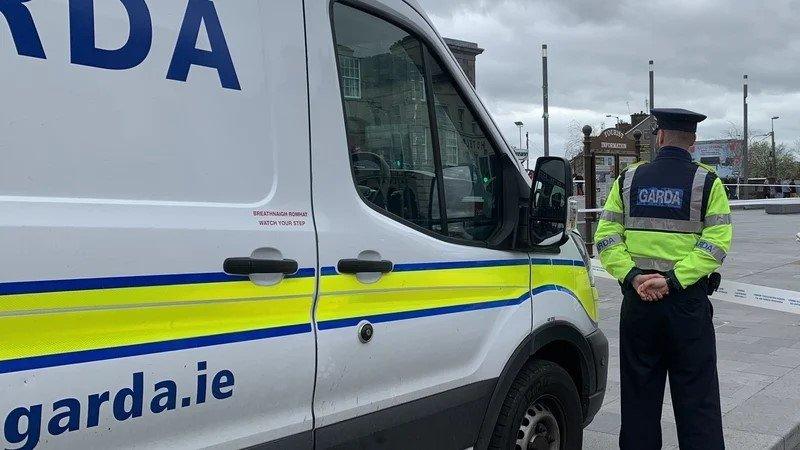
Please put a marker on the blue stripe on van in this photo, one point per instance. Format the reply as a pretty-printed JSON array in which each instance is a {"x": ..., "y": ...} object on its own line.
[
  {"x": 405, "y": 315},
  {"x": 86, "y": 284},
  {"x": 393, "y": 317}
]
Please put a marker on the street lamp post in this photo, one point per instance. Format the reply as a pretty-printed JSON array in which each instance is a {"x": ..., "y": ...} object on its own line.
[
  {"x": 745, "y": 150},
  {"x": 545, "y": 103},
  {"x": 616, "y": 117},
  {"x": 653, "y": 148},
  {"x": 519, "y": 125},
  {"x": 772, "y": 153},
  {"x": 528, "y": 149}
]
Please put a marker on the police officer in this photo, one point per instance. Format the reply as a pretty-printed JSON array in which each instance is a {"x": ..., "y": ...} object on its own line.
[{"x": 665, "y": 229}]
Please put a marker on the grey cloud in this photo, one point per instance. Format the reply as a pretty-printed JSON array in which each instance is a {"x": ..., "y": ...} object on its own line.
[{"x": 599, "y": 53}]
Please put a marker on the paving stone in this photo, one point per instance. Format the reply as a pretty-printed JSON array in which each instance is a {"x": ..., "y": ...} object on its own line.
[
  {"x": 596, "y": 440},
  {"x": 743, "y": 440},
  {"x": 765, "y": 415},
  {"x": 788, "y": 386},
  {"x": 772, "y": 344},
  {"x": 740, "y": 338},
  {"x": 612, "y": 392},
  {"x": 788, "y": 353},
  {"x": 606, "y": 422},
  {"x": 745, "y": 378},
  {"x": 729, "y": 329},
  {"x": 727, "y": 404},
  {"x": 758, "y": 358},
  {"x": 738, "y": 347},
  {"x": 766, "y": 369},
  {"x": 669, "y": 434}
]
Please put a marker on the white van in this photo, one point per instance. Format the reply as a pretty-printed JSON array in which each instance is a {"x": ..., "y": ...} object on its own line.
[{"x": 284, "y": 224}]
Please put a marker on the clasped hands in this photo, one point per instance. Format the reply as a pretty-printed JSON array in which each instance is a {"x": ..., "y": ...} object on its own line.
[{"x": 651, "y": 287}]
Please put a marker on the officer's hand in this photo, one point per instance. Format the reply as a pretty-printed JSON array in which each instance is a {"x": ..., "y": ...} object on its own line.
[
  {"x": 638, "y": 280},
  {"x": 653, "y": 289}
]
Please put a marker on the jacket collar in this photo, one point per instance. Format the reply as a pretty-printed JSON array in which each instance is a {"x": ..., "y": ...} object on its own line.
[{"x": 674, "y": 153}]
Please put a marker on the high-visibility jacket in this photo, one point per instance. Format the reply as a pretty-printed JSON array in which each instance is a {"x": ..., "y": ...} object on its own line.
[{"x": 670, "y": 216}]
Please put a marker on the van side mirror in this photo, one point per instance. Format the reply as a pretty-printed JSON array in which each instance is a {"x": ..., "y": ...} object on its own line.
[{"x": 548, "y": 208}]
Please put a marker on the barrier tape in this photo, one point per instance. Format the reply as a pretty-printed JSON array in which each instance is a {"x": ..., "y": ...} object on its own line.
[
  {"x": 740, "y": 293},
  {"x": 753, "y": 202}
]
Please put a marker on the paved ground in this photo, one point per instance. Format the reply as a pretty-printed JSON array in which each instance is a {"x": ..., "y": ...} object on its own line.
[
  {"x": 764, "y": 250},
  {"x": 758, "y": 349}
]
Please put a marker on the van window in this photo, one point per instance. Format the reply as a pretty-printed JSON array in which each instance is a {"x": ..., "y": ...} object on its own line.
[
  {"x": 398, "y": 162},
  {"x": 468, "y": 163},
  {"x": 388, "y": 125}
]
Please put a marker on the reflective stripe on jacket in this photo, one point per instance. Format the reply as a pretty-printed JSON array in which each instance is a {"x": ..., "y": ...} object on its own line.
[{"x": 668, "y": 215}]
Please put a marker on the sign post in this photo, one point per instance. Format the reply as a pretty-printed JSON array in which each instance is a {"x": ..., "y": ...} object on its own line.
[{"x": 610, "y": 143}]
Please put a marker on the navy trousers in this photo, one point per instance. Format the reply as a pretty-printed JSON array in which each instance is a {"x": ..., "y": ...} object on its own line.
[{"x": 672, "y": 337}]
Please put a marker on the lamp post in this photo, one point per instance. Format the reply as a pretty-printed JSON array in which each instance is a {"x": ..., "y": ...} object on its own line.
[
  {"x": 745, "y": 150},
  {"x": 545, "y": 102},
  {"x": 528, "y": 150},
  {"x": 772, "y": 153},
  {"x": 653, "y": 148},
  {"x": 616, "y": 117},
  {"x": 519, "y": 125}
]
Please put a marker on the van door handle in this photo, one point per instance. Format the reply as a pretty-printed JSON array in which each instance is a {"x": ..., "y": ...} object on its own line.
[
  {"x": 251, "y": 266},
  {"x": 353, "y": 266}
]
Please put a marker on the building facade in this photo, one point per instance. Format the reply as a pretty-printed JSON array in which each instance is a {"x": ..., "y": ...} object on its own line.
[{"x": 465, "y": 53}]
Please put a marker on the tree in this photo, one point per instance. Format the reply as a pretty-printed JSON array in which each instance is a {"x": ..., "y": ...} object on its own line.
[
  {"x": 787, "y": 165},
  {"x": 573, "y": 146}
]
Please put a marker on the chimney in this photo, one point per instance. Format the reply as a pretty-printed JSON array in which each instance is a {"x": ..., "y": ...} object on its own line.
[
  {"x": 638, "y": 118},
  {"x": 624, "y": 127}
]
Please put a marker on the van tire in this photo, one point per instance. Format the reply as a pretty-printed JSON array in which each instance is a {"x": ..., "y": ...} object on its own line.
[{"x": 545, "y": 392}]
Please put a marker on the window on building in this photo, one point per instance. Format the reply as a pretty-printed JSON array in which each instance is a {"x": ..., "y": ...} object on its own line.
[
  {"x": 350, "y": 69},
  {"x": 416, "y": 83},
  {"x": 399, "y": 165}
]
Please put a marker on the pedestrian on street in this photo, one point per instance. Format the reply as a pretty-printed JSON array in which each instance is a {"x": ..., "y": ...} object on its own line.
[{"x": 665, "y": 230}]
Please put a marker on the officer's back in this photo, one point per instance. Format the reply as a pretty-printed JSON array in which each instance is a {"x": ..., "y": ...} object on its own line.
[{"x": 665, "y": 229}]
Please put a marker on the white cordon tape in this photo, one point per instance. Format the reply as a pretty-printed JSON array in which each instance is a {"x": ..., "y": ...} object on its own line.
[{"x": 741, "y": 293}]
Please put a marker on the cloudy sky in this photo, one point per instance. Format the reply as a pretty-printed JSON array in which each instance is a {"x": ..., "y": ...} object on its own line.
[{"x": 598, "y": 55}]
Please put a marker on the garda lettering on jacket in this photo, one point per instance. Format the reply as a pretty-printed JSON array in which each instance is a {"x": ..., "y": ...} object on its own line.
[
  {"x": 660, "y": 197},
  {"x": 84, "y": 51}
]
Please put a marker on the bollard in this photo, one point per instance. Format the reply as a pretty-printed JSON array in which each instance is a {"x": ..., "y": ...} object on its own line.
[{"x": 637, "y": 136}]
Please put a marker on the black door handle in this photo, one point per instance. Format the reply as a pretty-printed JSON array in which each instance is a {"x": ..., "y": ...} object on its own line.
[
  {"x": 363, "y": 266},
  {"x": 250, "y": 266}
]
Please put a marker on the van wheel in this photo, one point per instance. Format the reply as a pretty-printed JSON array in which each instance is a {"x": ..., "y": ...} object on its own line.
[{"x": 541, "y": 412}]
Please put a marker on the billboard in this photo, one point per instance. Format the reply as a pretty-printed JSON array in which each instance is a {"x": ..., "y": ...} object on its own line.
[{"x": 724, "y": 155}]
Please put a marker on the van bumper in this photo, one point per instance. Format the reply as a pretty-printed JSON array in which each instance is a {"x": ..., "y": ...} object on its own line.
[{"x": 599, "y": 345}]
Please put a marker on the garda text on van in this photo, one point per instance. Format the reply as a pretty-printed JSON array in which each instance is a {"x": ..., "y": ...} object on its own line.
[
  {"x": 24, "y": 425},
  {"x": 200, "y": 14}
]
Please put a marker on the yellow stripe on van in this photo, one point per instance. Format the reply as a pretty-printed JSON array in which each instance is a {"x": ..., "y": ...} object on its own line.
[
  {"x": 343, "y": 296},
  {"x": 574, "y": 278},
  {"x": 51, "y": 323}
]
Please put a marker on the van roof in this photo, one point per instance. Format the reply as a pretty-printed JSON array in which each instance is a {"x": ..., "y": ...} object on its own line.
[{"x": 415, "y": 4}]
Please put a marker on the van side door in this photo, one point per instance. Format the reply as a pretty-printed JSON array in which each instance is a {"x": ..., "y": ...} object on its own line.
[
  {"x": 122, "y": 194},
  {"x": 417, "y": 314}
]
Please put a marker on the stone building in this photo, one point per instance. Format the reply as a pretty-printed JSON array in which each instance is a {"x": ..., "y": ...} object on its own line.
[{"x": 465, "y": 53}]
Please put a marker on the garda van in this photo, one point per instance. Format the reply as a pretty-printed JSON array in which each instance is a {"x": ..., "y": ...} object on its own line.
[{"x": 286, "y": 224}]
